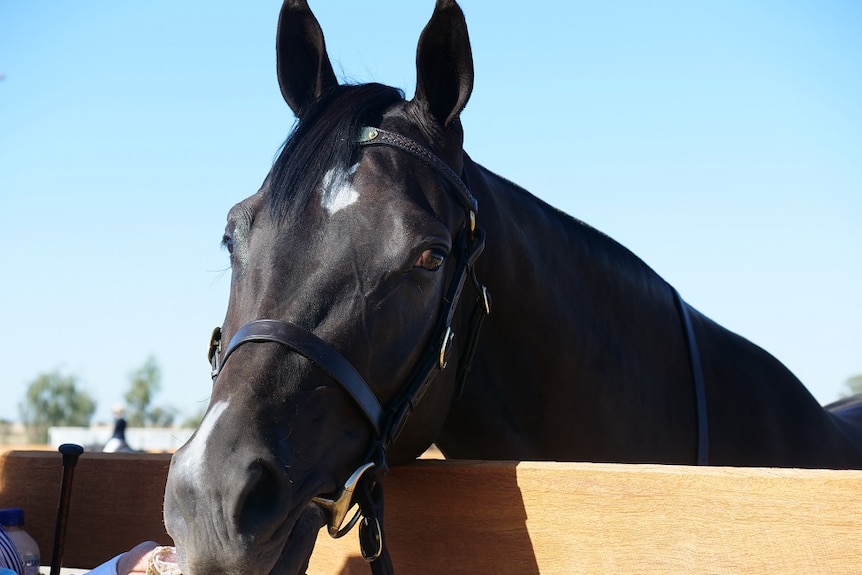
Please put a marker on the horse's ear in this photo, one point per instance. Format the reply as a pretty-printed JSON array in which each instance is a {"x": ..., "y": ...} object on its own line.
[
  {"x": 304, "y": 70},
  {"x": 444, "y": 65}
]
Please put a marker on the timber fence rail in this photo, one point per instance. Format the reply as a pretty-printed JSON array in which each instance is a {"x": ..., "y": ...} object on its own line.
[{"x": 462, "y": 517}]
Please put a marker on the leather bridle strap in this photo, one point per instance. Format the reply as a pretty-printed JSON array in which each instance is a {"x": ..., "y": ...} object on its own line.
[
  {"x": 697, "y": 378},
  {"x": 435, "y": 358},
  {"x": 315, "y": 349}
]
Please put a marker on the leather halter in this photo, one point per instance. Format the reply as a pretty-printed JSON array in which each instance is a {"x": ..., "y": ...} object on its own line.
[{"x": 364, "y": 488}]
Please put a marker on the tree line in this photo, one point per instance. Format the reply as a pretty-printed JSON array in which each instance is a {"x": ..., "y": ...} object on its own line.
[
  {"x": 54, "y": 400},
  {"x": 57, "y": 400}
]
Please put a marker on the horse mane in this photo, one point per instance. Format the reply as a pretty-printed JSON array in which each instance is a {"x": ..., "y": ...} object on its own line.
[{"x": 323, "y": 138}]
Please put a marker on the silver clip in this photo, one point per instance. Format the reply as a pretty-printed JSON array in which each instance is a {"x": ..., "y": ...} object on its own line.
[{"x": 338, "y": 507}]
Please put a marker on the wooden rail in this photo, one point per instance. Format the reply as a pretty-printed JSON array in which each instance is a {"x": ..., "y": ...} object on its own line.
[{"x": 458, "y": 517}]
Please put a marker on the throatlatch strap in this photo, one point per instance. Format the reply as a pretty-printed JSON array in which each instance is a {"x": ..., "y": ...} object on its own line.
[
  {"x": 481, "y": 310},
  {"x": 697, "y": 377}
]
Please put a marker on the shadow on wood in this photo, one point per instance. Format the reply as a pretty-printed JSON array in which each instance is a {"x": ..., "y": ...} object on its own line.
[{"x": 444, "y": 517}]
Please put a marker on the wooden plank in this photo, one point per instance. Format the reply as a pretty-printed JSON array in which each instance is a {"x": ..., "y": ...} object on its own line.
[
  {"x": 116, "y": 501},
  {"x": 565, "y": 518},
  {"x": 458, "y": 517}
]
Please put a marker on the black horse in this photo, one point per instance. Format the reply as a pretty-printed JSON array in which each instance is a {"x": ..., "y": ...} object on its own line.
[{"x": 362, "y": 271}]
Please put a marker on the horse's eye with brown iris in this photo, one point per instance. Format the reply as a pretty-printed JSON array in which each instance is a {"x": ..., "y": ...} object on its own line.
[{"x": 431, "y": 260}]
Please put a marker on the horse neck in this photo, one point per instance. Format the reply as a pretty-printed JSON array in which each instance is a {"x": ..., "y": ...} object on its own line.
[
  {"x": 566, "y": 300},
  {"x": 584, "y": 358},
  {"x": 535, "y": 250}
]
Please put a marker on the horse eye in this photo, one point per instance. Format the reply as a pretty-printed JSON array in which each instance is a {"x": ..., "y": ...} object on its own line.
[
  {"x": 431, "y": 259},
  {"x": 227, "y": 243}
]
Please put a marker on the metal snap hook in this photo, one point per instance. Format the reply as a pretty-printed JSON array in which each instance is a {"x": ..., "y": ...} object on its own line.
[{"x": 338, "y": 507}]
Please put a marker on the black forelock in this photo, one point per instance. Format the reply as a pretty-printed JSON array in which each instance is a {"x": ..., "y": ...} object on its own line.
[{"x": 323, "y": 138}]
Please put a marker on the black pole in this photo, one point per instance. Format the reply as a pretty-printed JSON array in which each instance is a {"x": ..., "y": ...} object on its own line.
[{"x": 70, "y": 453}]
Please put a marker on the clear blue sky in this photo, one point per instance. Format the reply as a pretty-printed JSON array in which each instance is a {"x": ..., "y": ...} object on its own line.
[{"x": 721, "y": 142}]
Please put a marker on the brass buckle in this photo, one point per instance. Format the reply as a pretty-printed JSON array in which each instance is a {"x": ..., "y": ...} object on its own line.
[
  {"x": 445, "y": 347},
  {"x": 338, "y": 507},
  {"x": 486, "y": 299}
]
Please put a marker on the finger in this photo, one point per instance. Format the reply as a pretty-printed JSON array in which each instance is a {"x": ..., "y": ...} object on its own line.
[{"x": 136, "y": 559}]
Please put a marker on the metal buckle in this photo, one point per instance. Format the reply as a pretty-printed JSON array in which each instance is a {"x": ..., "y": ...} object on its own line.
[
  {"x": 214, "y": 352},
  {"x": 445, "y": 347},
  {"x": 486, "y": 299},
  {"x": 338, "y": 507}
]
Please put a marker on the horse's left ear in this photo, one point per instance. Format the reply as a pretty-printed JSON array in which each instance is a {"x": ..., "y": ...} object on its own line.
[
  {"x": 444, "y": 65},
  {"x": 304, "y": 70}
]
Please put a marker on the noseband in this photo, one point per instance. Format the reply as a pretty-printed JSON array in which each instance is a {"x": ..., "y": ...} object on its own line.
[{"x": 364, "y": 487}]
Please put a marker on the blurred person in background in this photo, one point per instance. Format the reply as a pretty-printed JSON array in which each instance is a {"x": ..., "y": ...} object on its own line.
[{"x": 117, "y": 443}]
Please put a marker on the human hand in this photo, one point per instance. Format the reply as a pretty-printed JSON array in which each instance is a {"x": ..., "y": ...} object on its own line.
[{"x": 136, "y": 560}]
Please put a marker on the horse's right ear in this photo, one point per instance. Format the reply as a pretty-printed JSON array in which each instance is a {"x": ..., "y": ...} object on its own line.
[{"x": 304, "y": 70}]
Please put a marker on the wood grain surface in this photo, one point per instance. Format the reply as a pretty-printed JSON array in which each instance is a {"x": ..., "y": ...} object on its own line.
[{"x": 524, "y": 518}]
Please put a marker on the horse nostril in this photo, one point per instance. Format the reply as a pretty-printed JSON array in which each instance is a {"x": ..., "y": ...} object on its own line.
[{"x": 259, "y": 505}]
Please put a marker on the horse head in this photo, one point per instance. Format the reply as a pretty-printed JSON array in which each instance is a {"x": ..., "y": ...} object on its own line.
[{"x": 344, "y": 268}]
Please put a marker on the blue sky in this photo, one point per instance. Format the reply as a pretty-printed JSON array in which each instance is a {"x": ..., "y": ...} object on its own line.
[{"x": 720, "y": 142}]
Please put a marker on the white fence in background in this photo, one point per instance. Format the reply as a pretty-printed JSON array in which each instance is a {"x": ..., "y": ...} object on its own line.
[{"x": 139, "y": 438}]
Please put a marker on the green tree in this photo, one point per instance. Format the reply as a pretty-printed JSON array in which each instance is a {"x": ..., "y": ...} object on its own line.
[
  {"x": 145, "y": 383},
  {"x": 54, "y": 399},
  {"x": 161, "y": 416},
  {"x": 853, "y": 385}
]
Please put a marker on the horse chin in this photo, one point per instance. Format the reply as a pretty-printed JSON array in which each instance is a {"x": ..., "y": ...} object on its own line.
[
  {"x": 297, "y": 552},
  {"x": 292, "y": 560}
]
